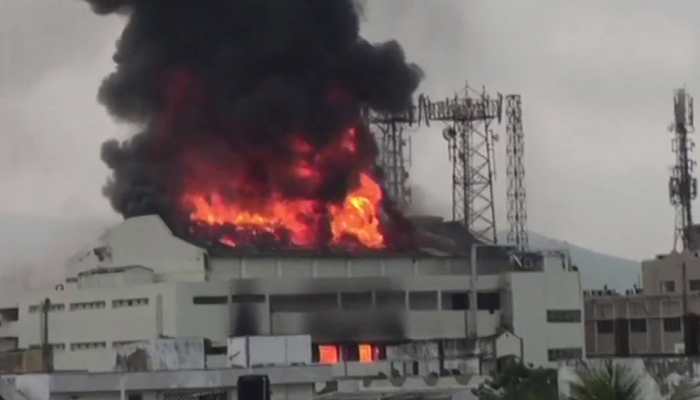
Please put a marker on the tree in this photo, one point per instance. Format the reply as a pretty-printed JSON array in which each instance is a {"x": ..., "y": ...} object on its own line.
[
  {"x": 519, "y": 382},
  {"x": 686, "y": 391},
  {"x": 610, "y": 382}
]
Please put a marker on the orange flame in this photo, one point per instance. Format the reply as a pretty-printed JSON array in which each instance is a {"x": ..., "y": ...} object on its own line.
[
  {"x": 358, "y": 217},
  {"x": 354, "y": 221},
  {"x": 291, "y": 216}
]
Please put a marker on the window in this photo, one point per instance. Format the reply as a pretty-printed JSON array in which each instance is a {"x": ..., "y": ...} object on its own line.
[
  {"x": 356, "y": 301},
  {"x": 55, "y": 347},
  {"x": 391, "y": 299},
  {"x": 129, "y": 302},
  {"x": 52, "y": 308},
  {"x": 668, "y": 286},
  {"x": 455, "y": 301},
  {"x": 563, "y": 315},
  {"x": 694, "y": 284},
  {"x": 248, "y": 298},
  {"x": 328, "y": 354},
  {"x": 209, "y": 300},
  {"x": 304, "y": 302},
  {"x": 672, "y": 324},
  {"x": 488, "y": 301},
  {"x": 422, "y": 301},
  {"x": 367, "y": 353},
  {"x": 88, "y": 346},
  {"x": 56, "y": 307},
  {"x": 569, "y": 353},
  {"x": 135, "y": 396},
  {"x": 605, "y": 326},
  {"x": 92, "y": 305},
  {"x": 638, "y": 325}
]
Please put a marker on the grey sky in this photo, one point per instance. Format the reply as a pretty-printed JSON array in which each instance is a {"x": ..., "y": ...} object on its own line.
[{"x": 596, "y": 79}]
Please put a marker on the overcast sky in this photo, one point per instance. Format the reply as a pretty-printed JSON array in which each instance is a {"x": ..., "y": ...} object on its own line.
[{"x": 597, "y": 80}]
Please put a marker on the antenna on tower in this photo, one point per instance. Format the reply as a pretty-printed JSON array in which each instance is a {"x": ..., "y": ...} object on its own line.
[
  {"x": 683, "y": 186},
  {"x": 517, "y": 211},
  {"x": 470, "y": 140},
  {"x": 390, "y": 130}
]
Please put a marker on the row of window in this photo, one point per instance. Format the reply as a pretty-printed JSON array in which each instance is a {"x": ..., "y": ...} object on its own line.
[
  {"x": 92, "y": 305},
  {"x": 52, "y": 307},
  {"x": 86, "y": 345},
  {"x": 417, "y": 301},
  {"x": 53, "y": 346},
  {"x": 670, "y": 286},
  {"x": 638, "y": 325}
]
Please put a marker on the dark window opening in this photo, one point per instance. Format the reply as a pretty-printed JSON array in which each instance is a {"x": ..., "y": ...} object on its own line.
[
  {"x": 248, "y": 298},
  {"x": 9, "y": 314},
  {"x": 605, "y": 326},
  {"x": 694, "y": 284},
  {"x": 488, "y": 301},
  {"x": 351, "y": 352},
  {"x": 422, "y": 301},
  {"x": 135, "y": 396},
  {"x": 563, "y": 315},
  {"x": 216, "y": 350},
  {"x": 356, "y": 301},
  {"x": 669, "y": 286},
  {"x": 672, "y": 324},
  {"x": 304, "y": 302},
  {"x": 638, "y": 325},
  {"x": 395, "y": 299},
  {"x": 208, "y": 300},
  {"x": 455, "y": 301}
]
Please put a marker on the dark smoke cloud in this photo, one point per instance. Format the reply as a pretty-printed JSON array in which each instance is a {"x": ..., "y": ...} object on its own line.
[{"x": 234, "y": 78}]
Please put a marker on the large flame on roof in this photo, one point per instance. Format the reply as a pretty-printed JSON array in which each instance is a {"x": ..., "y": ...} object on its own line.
[{"x": 260, "y": 215}]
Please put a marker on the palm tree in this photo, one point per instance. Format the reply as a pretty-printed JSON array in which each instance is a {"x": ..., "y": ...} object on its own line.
[
  {"x": 610, "y": 382},
  {"x": 686, "y": 391}
]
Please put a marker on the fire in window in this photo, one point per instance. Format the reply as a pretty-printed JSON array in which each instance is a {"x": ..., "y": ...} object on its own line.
[
  {"x": 328, "y": 354},
  {"x": 367, "y": 353}
]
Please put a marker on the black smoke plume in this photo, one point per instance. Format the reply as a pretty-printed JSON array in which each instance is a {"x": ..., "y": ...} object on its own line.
[{"x": 234, "y": 79}]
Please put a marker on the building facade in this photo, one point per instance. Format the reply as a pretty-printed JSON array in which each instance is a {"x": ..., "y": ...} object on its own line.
[
  {"x": 414, "y": 315},
  {"x": 659, "y": 318}
]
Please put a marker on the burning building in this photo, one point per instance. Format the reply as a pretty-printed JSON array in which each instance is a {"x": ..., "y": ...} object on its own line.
[
  {"x": 253, "y": 207},
  {"x": 251, "y": 131}
]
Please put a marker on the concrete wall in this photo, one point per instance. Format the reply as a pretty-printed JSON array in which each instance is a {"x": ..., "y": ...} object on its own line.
[
  {"x": 333, "y": 267},
  {"x": 144, "y": 241},
  {"x": 652, "y": 309},
  {"x": 532, "y": 295},
  {"x": 670, "y": 268}
]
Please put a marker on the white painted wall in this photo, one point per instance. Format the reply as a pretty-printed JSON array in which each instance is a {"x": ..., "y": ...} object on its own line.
[
  {"x": 533, "y": 293},
  {"x": 144, "y": 241}
]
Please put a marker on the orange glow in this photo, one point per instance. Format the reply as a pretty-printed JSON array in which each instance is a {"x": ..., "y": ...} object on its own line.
[
  {"x": 268, "y": 217},
  {"x": 328, "y": 354},
  {"x": 358, "y": 216},
  {"x": 257, "y": 208},
  {"x": 366, "y": 353}
]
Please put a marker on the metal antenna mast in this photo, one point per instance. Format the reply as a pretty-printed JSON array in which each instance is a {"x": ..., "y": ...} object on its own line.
[
  {"x": 515, "y": 150},
  {"x": 394, "y": 152},
  {"x": 682, "y": 185},
  {"x": 470, "y": 142}
]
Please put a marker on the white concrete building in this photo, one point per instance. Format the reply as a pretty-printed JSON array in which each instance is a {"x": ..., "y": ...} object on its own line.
[{"x": 138, "y": 282}]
